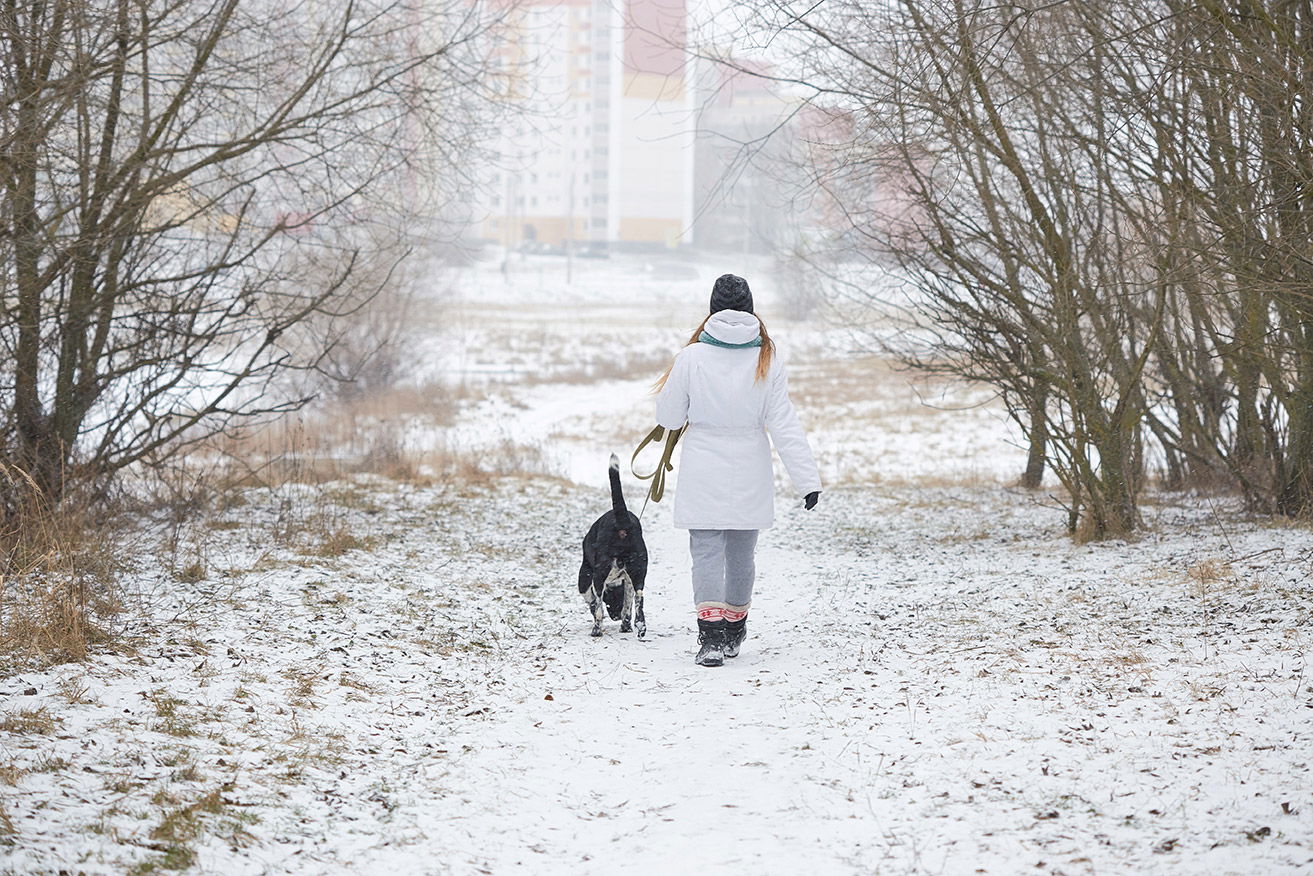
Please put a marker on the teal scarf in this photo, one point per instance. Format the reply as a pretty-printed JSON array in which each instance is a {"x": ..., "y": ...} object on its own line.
[{"x": 716, "y": 342}]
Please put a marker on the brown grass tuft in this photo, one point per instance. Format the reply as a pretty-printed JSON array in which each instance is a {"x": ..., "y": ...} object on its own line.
[
  {"x": 11, "y": 773},
  {"x": 172, "y": 719},
  {"x": 58, "y": 570},
  {"x": 338, "y": 540},
  {"x": 361, "y": 435},
  {"x": 25, "y": 721},
  {"x": 182, "y": 825},
  {"x": 1205, "y": 576},
  {"x": 75, "y": 691}
]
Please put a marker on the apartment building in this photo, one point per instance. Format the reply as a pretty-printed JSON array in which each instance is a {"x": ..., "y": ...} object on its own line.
[{"x": 602, "y": 153}]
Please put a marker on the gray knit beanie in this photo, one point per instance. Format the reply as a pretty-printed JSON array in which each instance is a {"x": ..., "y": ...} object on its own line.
[{"x": 731, "y": 293}]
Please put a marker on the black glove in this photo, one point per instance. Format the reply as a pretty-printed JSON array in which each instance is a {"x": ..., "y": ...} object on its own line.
[{"x": 809, "y": 501}]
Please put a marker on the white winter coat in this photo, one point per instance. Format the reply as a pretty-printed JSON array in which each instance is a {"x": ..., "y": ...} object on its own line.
[{"x": 725, "y": 478}]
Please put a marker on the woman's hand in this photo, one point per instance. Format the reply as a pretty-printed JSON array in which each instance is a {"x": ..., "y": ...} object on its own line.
[{"x": 809, "y": 501}]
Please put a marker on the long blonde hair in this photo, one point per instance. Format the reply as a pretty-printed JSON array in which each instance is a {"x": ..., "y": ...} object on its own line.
[{"x": 764, "y": 355}]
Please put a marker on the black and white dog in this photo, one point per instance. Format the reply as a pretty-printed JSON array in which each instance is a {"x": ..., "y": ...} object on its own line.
[{"x": 615, "y": 564}]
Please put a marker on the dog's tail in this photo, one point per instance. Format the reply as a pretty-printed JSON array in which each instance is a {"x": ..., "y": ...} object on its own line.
[{"x": 617, "y": 495}]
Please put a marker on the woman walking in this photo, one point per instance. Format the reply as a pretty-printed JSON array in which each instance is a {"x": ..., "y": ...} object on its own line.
[{"x": 730, "y": 388}]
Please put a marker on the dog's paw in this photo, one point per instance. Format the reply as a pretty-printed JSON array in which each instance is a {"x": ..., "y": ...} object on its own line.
[
  {"x": 597, "y": 630},
  {"x": 642, "y": 631},
  {"x": 625, "y": 627}
]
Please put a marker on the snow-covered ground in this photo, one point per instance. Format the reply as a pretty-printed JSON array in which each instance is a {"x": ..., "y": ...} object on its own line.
[{"x": 382, "y": 677}]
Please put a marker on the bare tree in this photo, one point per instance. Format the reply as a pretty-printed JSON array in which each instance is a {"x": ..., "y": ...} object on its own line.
[
  {"x": 1102, "y": 209},
  {"x": 184, "y": 183}
]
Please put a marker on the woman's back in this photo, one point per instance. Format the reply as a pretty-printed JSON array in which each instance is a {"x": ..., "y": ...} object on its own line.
[
  {"x": 723, "y": 392},
  {"x": 730, "y": 392}
]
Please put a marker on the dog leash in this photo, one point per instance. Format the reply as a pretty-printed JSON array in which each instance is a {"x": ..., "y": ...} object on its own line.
[{"x": 658, "y": 475}]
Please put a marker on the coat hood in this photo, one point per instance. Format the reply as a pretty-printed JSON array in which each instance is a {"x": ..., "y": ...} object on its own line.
[{"x": 733, "y": 326}]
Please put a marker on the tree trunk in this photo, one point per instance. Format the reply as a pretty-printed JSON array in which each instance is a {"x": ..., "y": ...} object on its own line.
[
  {"x": 1033, "y": 476},
  {"x": 38, "y": 453},
  {"x": 1296, "y": 493}
]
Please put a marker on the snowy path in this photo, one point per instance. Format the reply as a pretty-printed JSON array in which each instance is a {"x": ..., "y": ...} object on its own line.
[
  {"x": 936, "y": 709},
  {"x": 622, "y": 753}
]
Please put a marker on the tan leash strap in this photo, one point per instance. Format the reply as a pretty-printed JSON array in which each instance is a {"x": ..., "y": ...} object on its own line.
[{"x": 658, "y": 475}]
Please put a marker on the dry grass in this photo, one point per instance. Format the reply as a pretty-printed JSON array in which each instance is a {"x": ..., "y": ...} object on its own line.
[
  {"x": 181, "y": 824},
  {"x": 75, "y": 692},
  {"x": 58, "y": 570},
  {"x": 598, "y": 368},
  {"x": 332, "y": 445},
  {"x": 172, "y": 719},
  {"x": 834, "y": 382},
  {"x": 875, "y": 388},
  {"x": 319, "y": 499},
  {"x": 351, "y": 681},
  {"x": 1205, "y": 576},
  {"x": 433, "y": 403},
  {"x": 223, "y": 525},
  {"x": 480, "y": 468},
  {"x": 303, "y": 688},
  {"x": 49, "y": 763},
  {"x": 337, "y": 540},
  {"x": 340, "y": 438},
  {"x": 25, "y": 721},
  {"x": 1130, "y": 656},
  {"x": 192, "y": 572}
]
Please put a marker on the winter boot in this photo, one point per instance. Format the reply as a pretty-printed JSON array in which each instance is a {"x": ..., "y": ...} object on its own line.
[
  {"x": 711, "y": 643},
  {"x": 735, "y": 633}
]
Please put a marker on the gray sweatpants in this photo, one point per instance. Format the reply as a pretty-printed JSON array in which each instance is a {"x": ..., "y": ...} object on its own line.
[{"x": 723, "y": 571}]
